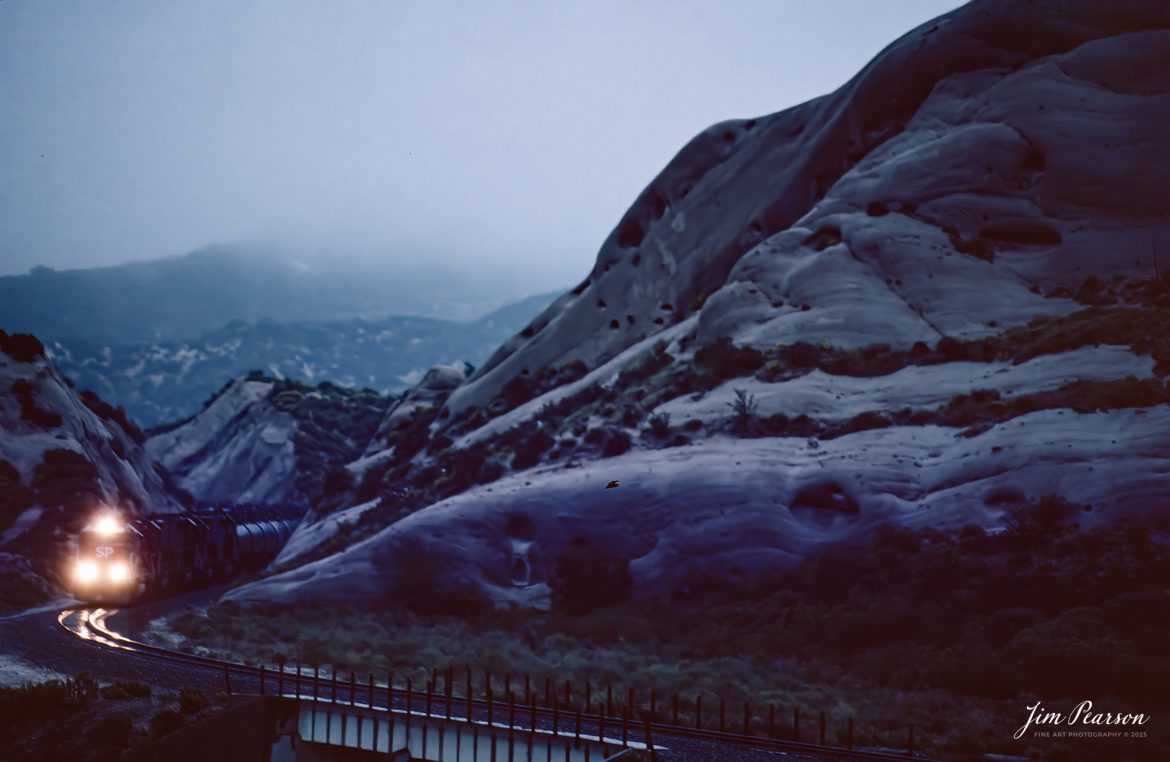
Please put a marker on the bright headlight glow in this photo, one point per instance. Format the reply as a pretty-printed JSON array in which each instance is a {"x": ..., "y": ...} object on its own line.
[
  {"x": 85, "y": 571},
  {"x": 107, "y": 525},
  {"x": 118, "y": 571}
]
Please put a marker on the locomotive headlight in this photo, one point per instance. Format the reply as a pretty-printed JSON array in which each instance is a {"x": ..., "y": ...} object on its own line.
[
  {"x": 118, "y": 571},
  {"x": 107, "y": 525},
  {"x": 85, "y": 571}
]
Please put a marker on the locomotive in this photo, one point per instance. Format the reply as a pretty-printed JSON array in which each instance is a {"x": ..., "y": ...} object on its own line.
[{"x": 121, "y": 560}]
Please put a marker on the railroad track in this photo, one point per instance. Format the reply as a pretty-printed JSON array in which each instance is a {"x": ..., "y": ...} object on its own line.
[{"x": 92, "y": 626}]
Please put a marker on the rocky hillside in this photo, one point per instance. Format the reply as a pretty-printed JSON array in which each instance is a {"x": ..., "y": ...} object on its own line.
[
  {"x": 935, "y": 297},
  {"x": 160, "y": 382},
  {"x": 267, "y": 440},
  {"x": 62, "y": 454}
]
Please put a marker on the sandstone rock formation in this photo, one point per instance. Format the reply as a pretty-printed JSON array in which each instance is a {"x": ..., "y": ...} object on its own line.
[{"x": 929, "y": 298}]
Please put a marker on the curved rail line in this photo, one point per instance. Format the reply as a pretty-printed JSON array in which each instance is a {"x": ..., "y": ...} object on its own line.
[{"x": 91, "y": 626}]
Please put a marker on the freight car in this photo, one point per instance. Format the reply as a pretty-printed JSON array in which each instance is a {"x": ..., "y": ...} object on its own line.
[{"x": 121, "y": 560}]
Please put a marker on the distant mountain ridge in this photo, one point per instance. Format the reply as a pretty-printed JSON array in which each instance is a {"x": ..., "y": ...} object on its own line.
[
  {"x": 178, "y": 298},
  {"x": 160, "y": 382}
]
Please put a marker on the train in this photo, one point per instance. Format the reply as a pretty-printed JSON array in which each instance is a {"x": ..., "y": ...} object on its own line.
[{"x": 122, "y": 559}]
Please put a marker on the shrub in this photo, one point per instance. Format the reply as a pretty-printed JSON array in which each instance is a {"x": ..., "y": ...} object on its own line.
[
  {"x": 532, "y": 449},
  {"x": 369, "y": 486},
  {"x": 585, "y": 578},
  {"x": 802, "y": 354},
  {"x": 35, "y": 701},
  {"x": 595, "y": 435},
  {"x": 418, "y": 582},
  {"x": 491, "y": 471},
  {"x": 22, "y": 347},
  {"x": 631, "y": 415},
  {"x": 338, "y": 480},
  {"x": 867, "y": 420},
  {"x": 193, "y": 701},
  {"x": 728, "y": 360},
  {"x": 166, "y": 721},
  {"x": 30, "y": 412},
  {"x": 616, "y": 443},
  {"x": 660, "y": 425},
  {"x": 126, "y": 690},
  {"x": 466, "y": 464},
  {"x": 744, "y": 406},
  {"x": 114, "y": 729}
]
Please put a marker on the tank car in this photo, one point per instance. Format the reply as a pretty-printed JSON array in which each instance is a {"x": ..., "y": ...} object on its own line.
[{"x": 122, "y": 559}]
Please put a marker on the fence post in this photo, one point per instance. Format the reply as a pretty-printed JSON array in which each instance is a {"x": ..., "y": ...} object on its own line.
[
  {"x": 280, "y": 681},
  {"x": 430, "y": 690},
  {"x": 547, "y": 691},
  {"x": 608, "y": 698},
  {"x": 352, "y": 688},
  {"x": 849, "y": 736},
  {"x": 588, "y": 694},
  {"x": 333, "y": 681},
  {"x": 409, "y": 703},
  {"x": 626, "y": 728},
  {"x": 508, "y": 683},
  {"x": 568, "y": 703},
  {"x": 527, "y": 689},
  {"x": 577, "y": 743},
  {"x": 653, "y": 705},
  {"x": 426, "y": 718},
  {"x": 370, "y": 692},
  {"x": 699, "y": 712},
  {"x": 674, "y": 710},
  {"x": 316, "y": 681},
  {"x": 261, "y": 679},
  {"x": 650, "y": 742},
  {"x": 601, "y": 726},
  {"x": 630, "y": 701},
  {"x": 447, "y": 686},
  {"x": 511, "y": 726},
  {"x": 390, "y": 694},
  {"x": 227, "y": 681}
]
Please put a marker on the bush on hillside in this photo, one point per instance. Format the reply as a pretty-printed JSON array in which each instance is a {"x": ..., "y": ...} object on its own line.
[{"x": 585, "y": 578}]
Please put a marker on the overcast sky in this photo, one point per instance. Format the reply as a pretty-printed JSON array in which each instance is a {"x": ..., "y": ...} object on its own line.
[{"x": 513, "y": 132}]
